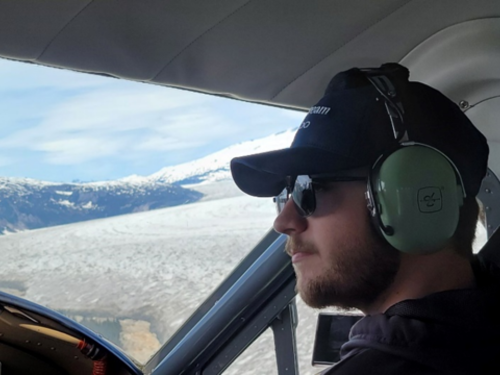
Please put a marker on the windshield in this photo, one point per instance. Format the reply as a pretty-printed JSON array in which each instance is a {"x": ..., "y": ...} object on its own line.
[{"x": 117, "y": 206}]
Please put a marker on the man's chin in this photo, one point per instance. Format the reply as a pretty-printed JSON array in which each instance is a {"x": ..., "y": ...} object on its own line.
[
  {"x": 311, "y": 295},
  {"x": 319, "y": 296}
]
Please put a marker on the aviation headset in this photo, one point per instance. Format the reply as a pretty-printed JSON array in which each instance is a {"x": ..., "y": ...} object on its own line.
[{"x": 414, "y": 191}]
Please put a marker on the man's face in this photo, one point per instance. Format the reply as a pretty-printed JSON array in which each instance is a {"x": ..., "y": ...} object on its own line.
[{"x": 338, "y": 257}]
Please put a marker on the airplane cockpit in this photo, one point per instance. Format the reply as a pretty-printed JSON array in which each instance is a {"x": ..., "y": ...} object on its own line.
[{"x": 158, "y": 264}]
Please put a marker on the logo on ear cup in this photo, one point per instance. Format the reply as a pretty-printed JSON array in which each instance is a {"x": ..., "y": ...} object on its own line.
[{"x": 430, "y": 200}]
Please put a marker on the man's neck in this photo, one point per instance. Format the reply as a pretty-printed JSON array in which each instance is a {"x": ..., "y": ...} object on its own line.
[{"x": 421, "y": 275}]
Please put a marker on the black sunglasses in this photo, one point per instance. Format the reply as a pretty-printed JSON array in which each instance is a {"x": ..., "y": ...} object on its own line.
[{"x": 301, "y": 189}]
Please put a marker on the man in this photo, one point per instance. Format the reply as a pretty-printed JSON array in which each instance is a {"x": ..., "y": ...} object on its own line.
[{"x": 377, "y": 198}]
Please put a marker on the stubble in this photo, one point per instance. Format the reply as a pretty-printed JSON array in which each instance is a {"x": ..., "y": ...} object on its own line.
[{"x": 355, "y": 273}]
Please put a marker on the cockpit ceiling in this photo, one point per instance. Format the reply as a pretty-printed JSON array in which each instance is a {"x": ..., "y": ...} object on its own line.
[{"x": 281, "y": 52}]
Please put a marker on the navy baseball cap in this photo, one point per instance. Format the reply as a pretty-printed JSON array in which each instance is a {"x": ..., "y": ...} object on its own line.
[{"x": 350, "y": 128}]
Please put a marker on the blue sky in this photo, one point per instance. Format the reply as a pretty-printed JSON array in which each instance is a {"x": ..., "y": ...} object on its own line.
[{"x": 58, "y": 125}]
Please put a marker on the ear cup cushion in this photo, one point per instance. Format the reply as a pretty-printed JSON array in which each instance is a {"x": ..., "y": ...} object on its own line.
[{"x": 417, "y": 192}]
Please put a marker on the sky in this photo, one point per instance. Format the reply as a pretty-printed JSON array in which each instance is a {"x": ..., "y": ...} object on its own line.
[{"x": 59, "y": 125}]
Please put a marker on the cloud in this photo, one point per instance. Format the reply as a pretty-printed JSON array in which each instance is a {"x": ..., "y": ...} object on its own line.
[
  {"x": 119, "y": 109},
  {"x": 19, "y": 76},
  {"x": 75, "y": 119},
  {"x": 70, "y": 151},
  {"x": 115, "y": 123},
  {"x": 297, "y": 116},
  {"x": 164, "y": 143}
]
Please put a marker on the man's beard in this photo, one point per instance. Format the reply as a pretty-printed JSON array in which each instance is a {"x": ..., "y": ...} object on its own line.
[{"x": 358, "y": 272}]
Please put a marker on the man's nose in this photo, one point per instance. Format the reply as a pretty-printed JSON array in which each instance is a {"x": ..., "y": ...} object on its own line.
[{"x": 289, "y": 221}]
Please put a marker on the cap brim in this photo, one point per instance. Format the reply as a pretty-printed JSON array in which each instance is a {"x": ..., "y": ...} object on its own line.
[{"x": 264, "y": 175}]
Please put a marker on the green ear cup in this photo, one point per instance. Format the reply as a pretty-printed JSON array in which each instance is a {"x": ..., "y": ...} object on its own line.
[{"x": 417, "y": 193}]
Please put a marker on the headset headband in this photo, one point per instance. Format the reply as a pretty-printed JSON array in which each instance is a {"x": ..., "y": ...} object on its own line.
[
  {"x": 378, "y": 78},
  {"x": 393, "y": 105}
]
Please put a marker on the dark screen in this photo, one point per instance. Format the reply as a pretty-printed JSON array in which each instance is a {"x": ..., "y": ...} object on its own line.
[{"x": 332, "y": 331}]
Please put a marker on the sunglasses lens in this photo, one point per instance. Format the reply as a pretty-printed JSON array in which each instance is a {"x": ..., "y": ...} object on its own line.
[
  {"x": 281, "y": 200},
  {"x": 303, "y": 196},
  {"x": 307, "y": 203}
]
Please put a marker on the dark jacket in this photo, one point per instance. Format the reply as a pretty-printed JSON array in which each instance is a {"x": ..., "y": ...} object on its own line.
[{"x": 453, "y": 332}]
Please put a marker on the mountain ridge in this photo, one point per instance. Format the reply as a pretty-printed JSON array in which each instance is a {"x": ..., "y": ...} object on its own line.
[{"x": 27, "y": 203}]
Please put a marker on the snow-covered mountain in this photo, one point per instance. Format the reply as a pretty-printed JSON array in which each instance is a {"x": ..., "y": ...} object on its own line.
[
  {"x": 215, "y": 167},
  {"x": 29, "y": 204}
]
